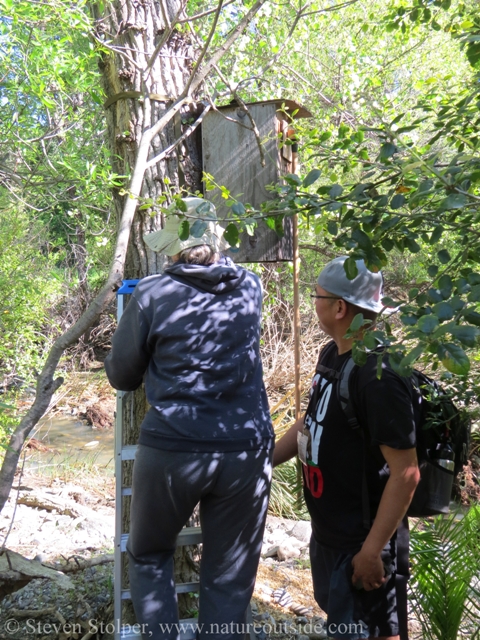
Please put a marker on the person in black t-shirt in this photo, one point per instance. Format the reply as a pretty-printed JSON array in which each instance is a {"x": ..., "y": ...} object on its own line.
[{"x": 359, "y": 560}]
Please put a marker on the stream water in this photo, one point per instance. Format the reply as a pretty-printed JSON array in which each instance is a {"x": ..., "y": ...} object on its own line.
[{"x": 72, "y": 442}]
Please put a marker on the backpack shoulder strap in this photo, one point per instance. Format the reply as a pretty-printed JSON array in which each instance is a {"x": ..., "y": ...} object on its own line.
[
  {"x": 329, "y": 373},
  {"x": 344, "y": 392},
  {"x": 348, "y": 407}
]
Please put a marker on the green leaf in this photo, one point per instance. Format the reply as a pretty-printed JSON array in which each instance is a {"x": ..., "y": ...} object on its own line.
[
  {"x": 270, "y": 222},
  {"x": 454, "y": 201},
  {"x": 181, "y": 205},
  {"x": 425, "y": 185},
  {"x": 472, "y": 317},
  {"x": 455, "y": 359},
  {"x": 231, "y": 234},
  {"x": 238, "y": 209},
  {"x": 369, "y": 340},
  {"x": 412, "y": 245},
  {"x": 473, "y": 278},
  {"x": 414, "y": 354},
  {"x": 432, "y": 270},
  {"x": 443, "y": 256},
  {"x": 443, "y": 311},
  {"x": 408, "y": 319},
  {"x": 350, "y": 267},
  {"x": 359, "y": 191},
  {"x": 359, "y": 356},
  {"x": 293, "y": 180},
  {"x": 362, "y": 239},
  {"x": 467, "y": 335},
  {"x": 434, "y": 295},
  {"x": 332, "y": 227},
  {"x": 414, "y": 14},
  {"x": 387, "y": 150},
  {"x": 335, "y": 191},
  {"x": 204, "y": 208},
  {"x": 427, "y": 324},
  {"x": 397, "y": 201},
  {"x": 184, "y": 230},
  {"x": 356, "y": 323},
  {"x": 198, "y": 228},
  {"x": 445, "y": 284},
  {"x": 311, "y": 177},
  {"x": 413, "y": 293},
  {"x": 474, "y": 295},
  {"x": 436, "y": 234}
]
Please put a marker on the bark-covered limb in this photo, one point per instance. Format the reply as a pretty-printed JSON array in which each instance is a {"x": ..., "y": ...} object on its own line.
[
  {"x": 184, "y": 135},
  {"x": 204, "y": 50},
  {"x": 197, "y": 16},
  {"x": 75, "y": 564}
]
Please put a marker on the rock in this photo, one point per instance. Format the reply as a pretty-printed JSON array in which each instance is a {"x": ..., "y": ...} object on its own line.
[
  {"x": 272, "y": 551},
  {"x": 287, "y": 552},
  {"x": 302, "y": 531},
  {"x": 294, "y": 542}
]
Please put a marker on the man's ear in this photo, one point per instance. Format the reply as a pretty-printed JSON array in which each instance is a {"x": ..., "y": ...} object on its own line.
[{"x": 342, "y": 309}]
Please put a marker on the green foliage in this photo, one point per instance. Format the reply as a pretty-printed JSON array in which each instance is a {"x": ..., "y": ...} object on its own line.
[
  {"x": 29, "y": 286},
  {"x": 51, "y": 156},
  {"x": 444, "y": 590},
  {"x": 8, "y": 418},
  {"x": 285, "y": 492}
]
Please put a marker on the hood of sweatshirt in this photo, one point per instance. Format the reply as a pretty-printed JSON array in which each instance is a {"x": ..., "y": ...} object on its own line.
[{"x": 219, "y": 277}]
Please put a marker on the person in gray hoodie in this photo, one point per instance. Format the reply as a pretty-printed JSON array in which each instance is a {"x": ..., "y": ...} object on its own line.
[{"x": 192, "y": 335}]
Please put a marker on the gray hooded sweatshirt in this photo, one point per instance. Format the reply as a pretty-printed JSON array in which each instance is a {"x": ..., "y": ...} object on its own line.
[{"x": 192, "y": 335}]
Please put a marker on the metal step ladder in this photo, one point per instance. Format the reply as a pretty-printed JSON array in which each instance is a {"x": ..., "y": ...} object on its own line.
[{"x": 188, "y": 536}]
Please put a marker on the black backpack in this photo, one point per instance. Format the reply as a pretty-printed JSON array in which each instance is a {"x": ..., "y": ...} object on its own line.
[{"x": 442, "y": 433}]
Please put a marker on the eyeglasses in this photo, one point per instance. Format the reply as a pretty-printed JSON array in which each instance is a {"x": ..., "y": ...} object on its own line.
[{"x": 314, "y": 295}]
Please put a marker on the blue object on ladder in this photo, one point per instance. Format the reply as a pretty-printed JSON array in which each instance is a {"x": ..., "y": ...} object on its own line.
[{"x": 127, "y": 287}]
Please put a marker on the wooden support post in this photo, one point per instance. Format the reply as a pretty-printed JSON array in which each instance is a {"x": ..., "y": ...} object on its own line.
[{"x": 296, "y": 322}]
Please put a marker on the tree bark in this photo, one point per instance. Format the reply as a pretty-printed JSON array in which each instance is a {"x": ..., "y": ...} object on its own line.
[{"x": 137, "y": 100}]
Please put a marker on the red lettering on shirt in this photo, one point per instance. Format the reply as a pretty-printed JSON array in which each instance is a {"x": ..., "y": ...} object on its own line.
[{"x": 313, "y": 479}]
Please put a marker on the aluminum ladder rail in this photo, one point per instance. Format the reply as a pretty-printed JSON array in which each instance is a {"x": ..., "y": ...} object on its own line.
[{"x": 188, "y": 536}]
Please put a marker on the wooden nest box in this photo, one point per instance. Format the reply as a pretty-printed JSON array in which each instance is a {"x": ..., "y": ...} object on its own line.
[{"x": 231, "y": 154}]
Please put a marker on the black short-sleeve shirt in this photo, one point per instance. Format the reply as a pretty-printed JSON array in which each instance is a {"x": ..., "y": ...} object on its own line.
[{"x": 338, "y": 453}]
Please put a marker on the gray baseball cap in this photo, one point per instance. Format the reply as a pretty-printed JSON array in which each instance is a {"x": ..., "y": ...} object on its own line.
[{"x": 364, "y": 291}]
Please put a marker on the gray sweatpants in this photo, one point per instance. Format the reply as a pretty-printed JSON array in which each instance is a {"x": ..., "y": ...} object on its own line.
[{"x": 233, "y": 490}]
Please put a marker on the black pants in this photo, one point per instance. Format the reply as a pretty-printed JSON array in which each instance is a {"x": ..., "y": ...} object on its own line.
[
  {"x": 354, "y": 614},
  {"x": 233, "y": 490}
]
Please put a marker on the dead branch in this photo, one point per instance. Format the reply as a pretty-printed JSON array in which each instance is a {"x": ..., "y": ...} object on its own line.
[{"x": 79, "y": 564}]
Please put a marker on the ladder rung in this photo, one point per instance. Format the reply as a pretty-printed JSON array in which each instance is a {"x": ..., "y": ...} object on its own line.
[
  {"x": 188, "y": 535},
  {"x": 186, "y": 629},
  {"x": 181, "y": 587},
  {"x": 128, "y": 452}
]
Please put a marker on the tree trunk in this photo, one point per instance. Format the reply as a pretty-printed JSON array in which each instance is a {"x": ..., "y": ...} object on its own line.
[{"x": 133, "y": 31}]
